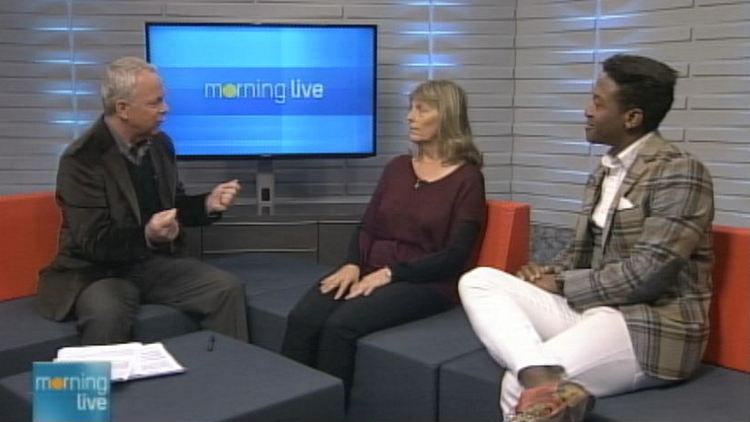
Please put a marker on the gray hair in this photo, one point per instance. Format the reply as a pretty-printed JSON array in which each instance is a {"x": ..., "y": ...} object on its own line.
[{"x": 119, "y": 80}]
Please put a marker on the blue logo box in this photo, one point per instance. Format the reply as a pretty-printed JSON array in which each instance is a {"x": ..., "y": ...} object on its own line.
[{"x": 71, "y": 391}]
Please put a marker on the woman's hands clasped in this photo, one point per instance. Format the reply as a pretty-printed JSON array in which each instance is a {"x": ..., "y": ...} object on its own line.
[
  {"x": 346, "y": 284},
  {"x": 369, "y": 283},
  {"x": 340, "y": 281}
]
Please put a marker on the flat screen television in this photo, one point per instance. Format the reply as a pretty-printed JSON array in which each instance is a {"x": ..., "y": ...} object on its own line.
[{"x": 267, "y": 90}]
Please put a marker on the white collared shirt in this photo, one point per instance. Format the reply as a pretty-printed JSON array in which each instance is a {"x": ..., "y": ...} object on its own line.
[{"x": 618, "y": 167}]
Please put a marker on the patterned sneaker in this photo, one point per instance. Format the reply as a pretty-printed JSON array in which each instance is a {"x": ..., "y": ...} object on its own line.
[{"x": 565, "y": 401}]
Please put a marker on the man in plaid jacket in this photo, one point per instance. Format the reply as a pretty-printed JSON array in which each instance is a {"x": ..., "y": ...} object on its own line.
[{"x": 625, "y": 306}]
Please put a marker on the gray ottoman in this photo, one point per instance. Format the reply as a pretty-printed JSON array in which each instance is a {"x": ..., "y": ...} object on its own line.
[{"x": 235, "y": 382}]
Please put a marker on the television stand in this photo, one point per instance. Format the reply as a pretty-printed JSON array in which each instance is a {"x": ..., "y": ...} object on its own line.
[
  {"x": 318, "y": 232},
  {"x": 264, "y": 186}
]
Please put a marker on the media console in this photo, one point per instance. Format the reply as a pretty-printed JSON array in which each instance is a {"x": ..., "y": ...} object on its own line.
[{"x": 318, "y": 232}]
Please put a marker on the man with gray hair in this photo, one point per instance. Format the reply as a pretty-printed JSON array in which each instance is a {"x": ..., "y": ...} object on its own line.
[{"x": 123, "y": 206}]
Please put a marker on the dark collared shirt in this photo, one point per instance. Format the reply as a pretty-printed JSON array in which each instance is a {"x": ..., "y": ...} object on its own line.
[{"x": 133, "y": 153}]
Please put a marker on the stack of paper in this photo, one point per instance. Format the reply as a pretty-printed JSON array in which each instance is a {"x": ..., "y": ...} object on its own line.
[{"x": 129, "y": 360}]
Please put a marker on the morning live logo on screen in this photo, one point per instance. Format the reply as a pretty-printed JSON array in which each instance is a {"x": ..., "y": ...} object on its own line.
[
  {"x": 71, "y": 391},
  {"x": 260, "y": 91},
  {"x": 267, "y": 90},
  {"x": 269, "y": 109},
  {"x": 278, "y": 92}
]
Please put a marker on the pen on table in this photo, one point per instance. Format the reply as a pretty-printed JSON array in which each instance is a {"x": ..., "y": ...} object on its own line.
[{"x": 211, "y": 341}]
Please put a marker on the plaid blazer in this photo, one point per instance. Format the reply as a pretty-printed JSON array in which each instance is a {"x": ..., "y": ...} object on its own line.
[{"x": 653, "y": 259}]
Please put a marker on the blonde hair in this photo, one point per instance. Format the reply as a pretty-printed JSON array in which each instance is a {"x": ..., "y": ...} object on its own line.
[
  {"x": 120, "y": 79},
  {"x": 455, "y": 141}
]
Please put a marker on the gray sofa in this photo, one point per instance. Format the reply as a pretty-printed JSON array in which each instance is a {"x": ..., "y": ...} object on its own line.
[
  {"x": 436, "y": 370},
  {"x": 433, "y": 369},
  {"x": 26, "y": 337}
]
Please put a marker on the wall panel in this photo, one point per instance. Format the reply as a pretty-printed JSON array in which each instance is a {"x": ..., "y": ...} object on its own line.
[
  {"x": 559, "y": 48},
  {"x": 50, "y": 91},
  {"x": 527, "y": 66}
]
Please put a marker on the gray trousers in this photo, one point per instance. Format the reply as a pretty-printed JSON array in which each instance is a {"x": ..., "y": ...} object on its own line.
[{"x": 107, "y": 308}]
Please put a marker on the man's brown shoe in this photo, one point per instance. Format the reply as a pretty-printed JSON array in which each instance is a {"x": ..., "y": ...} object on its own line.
[{"x": 564, "y": 401}]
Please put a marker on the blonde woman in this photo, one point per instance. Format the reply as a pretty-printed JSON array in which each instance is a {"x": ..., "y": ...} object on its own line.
[{"x": 416, "y": 237}]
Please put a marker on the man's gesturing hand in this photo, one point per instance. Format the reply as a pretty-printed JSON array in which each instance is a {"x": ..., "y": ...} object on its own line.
[
  {"x": 163, "y": 226},
  {"x": 222, "y": 196}
]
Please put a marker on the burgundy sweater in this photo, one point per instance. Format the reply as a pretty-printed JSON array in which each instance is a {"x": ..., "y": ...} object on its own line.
[{"x": 425, "y": 232}]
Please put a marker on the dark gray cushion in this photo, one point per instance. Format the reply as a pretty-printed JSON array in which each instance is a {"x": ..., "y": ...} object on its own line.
[
  {"x": 157, "y": 322},
  {"x": 714, "y": 394},
  {"x": 264, "y": 272},
  {"x": 470, "y": 388},
  {"x": 234, "y": 382},
  {"x": 396, "y": 374},
  {"x": 268, "y": 314},
  {"x": 27, "y": 337},
  {"x": 274, "y": 283}
]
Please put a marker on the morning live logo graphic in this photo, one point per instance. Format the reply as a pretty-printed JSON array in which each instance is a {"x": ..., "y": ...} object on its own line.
[
  {"x": 279, "y": 92},
  {"x": 71, "y": 391}
]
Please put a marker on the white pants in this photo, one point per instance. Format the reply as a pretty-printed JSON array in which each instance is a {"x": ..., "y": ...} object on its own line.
[{"x": 522, "y": 325}]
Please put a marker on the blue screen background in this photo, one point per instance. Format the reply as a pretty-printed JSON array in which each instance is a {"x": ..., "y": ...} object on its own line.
[{"x": 267, "y": 90}]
